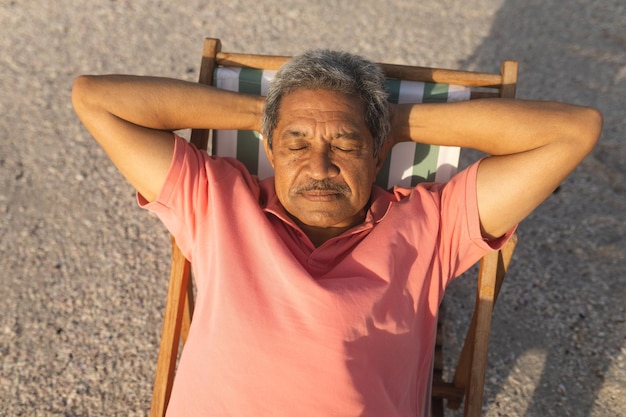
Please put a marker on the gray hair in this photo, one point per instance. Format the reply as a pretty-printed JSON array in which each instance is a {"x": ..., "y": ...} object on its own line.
[{"x": 335, "y": 71}]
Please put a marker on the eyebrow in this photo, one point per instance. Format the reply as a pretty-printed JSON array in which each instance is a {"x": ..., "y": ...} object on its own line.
[
  {"x": 347, "y": 135},
  {"x": 294, "y": 133},
  {"x": 298, "y": 133}
]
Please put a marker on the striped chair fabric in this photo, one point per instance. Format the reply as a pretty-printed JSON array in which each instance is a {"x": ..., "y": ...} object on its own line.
[{"x": 407, "y": 164}]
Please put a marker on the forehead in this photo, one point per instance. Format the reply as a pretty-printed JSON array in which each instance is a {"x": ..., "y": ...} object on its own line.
[{"x": 322, "y": 106}]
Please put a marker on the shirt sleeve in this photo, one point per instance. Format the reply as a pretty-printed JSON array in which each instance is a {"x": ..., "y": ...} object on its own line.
[
  {"x": 180, "y": 191},
  {"x": 186, "y": 201},
  {"x": 461, "y": 240}
]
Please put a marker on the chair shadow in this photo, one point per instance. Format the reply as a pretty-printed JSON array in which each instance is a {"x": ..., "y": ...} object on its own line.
[{"x": 563, "y": 299}]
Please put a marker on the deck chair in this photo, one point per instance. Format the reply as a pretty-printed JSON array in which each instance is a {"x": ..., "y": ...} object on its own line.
[{"x": 407, "y": 164}]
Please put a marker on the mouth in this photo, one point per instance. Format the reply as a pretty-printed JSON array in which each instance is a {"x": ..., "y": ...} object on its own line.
[{"x": 321, "y": 195}]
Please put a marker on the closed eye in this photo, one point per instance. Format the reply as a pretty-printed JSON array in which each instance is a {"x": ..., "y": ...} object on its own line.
[
  {"x": 347, "y": 142},
  {"x": 295, "y": 140},
  {"x": 344, "y": 149}
]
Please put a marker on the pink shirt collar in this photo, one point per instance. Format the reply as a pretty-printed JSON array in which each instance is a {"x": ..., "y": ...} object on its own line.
[{"x": 380, "y": 202}]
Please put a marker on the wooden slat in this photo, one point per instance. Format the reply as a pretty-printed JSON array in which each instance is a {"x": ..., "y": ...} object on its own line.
[
  {"x": 170, "y": 334},
  {"x": 484, "y": 308},
  {"x": 200, "y": 137},
  {"x": 404, "y": 72},
  {"x": 271, "y": 62},
  {"x": 447, "y": 390},
  {"x": 463, "y": 365},
  {"x": 180, "y": 300},
  {"x": 497, "y": 265},
  {"x": 467, "y": 78},
  {"x": 508, "y": 70}
]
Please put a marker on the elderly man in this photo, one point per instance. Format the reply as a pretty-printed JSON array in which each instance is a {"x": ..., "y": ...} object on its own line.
[{"x": 318, "y": 292}]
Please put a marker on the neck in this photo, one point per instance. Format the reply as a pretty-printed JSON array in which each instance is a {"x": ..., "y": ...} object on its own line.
[{"x": 319, "y": 235}]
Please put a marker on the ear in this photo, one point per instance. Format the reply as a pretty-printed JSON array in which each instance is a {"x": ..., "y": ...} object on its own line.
[{"x": 268, "y": 152}]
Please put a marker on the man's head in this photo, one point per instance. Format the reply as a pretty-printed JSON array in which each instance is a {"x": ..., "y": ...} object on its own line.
[
  {"x": 324, "y": 69},
  {"x": 325, "y": 123}
]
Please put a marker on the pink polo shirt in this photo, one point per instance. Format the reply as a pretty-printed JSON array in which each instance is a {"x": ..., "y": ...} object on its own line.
[{"x": 282, "y": 328}]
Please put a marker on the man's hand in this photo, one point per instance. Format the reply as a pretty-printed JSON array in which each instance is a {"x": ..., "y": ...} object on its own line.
[
  {"x": 132, "y": 119},
  {"x": 534, "y": 146}
]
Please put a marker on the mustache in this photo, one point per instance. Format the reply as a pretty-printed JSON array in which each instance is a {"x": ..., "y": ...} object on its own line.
[{"x": 322, "y": 185}]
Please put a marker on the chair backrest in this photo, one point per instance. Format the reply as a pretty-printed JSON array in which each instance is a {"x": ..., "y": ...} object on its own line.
[{"x": 406, "y": 165}]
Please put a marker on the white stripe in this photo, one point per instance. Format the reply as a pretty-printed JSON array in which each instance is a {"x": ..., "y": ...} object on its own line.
[
  {"x": 447, "y": 163},
  {"x": 265, "y": 168},
  {"x": 401, "y": 169},
  {"x": 448, "y": 157},
  {"x": 268, "y": 76},
  {"x": 227, "y": 78},
  {"x": 458, "y": 93},
  {"x": 225, "y": 143},
  {"x": 411, "y": 92}
]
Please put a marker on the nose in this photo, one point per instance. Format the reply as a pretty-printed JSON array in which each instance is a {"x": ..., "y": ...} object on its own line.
[{"x": 321, "y": 165}]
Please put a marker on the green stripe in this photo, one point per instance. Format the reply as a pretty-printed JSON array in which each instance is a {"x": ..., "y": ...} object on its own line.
[
  {"x": 435, "y": 93},
  {"x": 424, "y": 163},
  {"x": 393, "y": 88},
  {"x": 250, "y": 81},
  {"x": 248, "y": 141},
  {"x": 248, "y": 144},
  {"x": 426, "y": 156}
]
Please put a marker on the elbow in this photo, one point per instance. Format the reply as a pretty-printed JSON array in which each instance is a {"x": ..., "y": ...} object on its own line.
[
  {"x": 579, "y": 128},
  {"x": 87, "y": 93},
  {"x": 80, "y": 92},
  {"x": 79, "y": 88},
  {"x": 590, "y": 127}
]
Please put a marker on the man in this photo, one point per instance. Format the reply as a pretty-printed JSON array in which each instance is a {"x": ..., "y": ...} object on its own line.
[{"x": 317, "y": 292}]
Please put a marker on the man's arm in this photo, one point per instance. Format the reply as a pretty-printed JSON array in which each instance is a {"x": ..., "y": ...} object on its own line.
[
  {"x": 132, "y": 117},
  {"x": 534, "y": 146}
]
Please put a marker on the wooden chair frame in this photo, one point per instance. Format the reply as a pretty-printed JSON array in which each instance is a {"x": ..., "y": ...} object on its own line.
[{"x": 467, "y": 384}]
